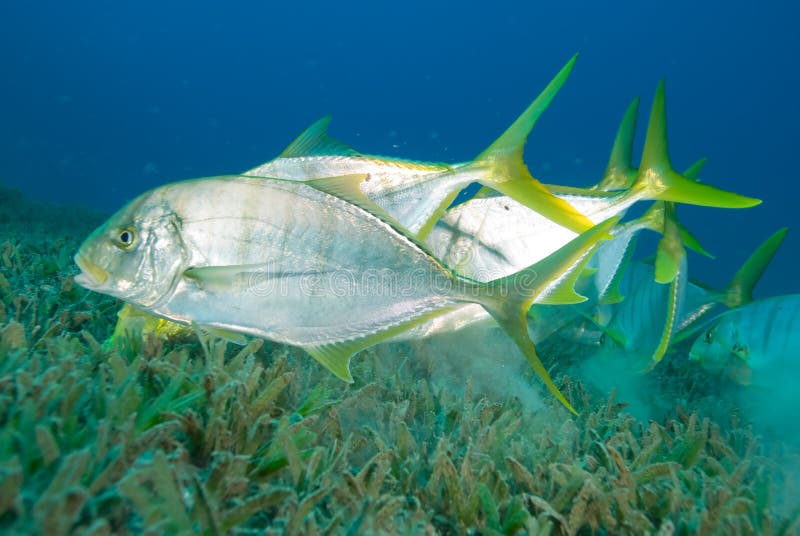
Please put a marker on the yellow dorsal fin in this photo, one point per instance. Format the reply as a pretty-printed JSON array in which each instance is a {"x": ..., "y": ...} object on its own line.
[{"x": 315, "y": 141}]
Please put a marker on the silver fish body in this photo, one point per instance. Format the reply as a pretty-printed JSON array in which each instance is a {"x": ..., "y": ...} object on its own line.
[
  {"x": 490, "y": 237},
  {"x": 286, "y": 262},
  {"x": 409, "y": 191}
]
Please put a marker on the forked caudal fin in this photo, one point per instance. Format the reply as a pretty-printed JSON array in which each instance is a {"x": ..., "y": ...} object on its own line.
[
  {"x": 620, "y": 173},
  {"x": 660, "y": 181},
  {"x": 501, "y": 166},
  {"x": 509, "y": 298}
]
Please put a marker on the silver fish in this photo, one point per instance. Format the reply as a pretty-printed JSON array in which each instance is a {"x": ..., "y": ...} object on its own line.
[
  {"x": 750, "y": 343},
  {"x": 284, "y": 261},
  {"x": 654, "y": 316},
  {"x": 417, "y": 193}
]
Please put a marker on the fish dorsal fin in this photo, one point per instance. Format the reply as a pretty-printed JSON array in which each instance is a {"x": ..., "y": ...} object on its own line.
[
  {"x": 315, "y": 141},
  {"x": 348, "y": 188}
]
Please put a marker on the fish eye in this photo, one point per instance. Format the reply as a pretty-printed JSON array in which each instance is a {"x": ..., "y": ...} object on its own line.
[
  {"x": 709, "y": 336},
  {"x": 126, "y": 238}
]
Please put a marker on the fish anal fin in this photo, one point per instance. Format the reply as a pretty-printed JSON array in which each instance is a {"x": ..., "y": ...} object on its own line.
[{"x": 335, "y": 356}]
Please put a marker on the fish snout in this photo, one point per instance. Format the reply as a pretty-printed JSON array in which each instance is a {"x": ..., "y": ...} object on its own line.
[{"x": 91, "y": 276}]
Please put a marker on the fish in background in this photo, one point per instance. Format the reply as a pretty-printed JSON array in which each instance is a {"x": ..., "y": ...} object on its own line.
[
  {"x": 284, "y": 261},
  {"x": 490, "y": 236},
  {"x": 753, "y": 341},
  {"x": 226, "y": 243},
  {"x": 756, "y": 347},
  {"x": 653, "y": 316},
  {"x": 416, "y": 193}
]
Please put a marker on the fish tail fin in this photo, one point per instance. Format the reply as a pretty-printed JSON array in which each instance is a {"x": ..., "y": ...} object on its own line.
[
  {"x": 740, "y": 289},
  {"x": 620, "y": 174},
  {"x": 502, "y": 168},
  {"x": 662, "y": 218},
  {"x": 660, "y": 181},
  {"x": 508, "y": 299}
]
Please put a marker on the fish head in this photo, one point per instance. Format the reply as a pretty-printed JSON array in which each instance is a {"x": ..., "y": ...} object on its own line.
[
  {"x": 136, "y": 255},
  {"x": 711, "y": 349}
]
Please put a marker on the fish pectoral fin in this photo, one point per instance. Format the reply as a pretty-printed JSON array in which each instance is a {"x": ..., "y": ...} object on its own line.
[
  {"x": 315, "y": 141},
  {"x": 212, "y": 276},
  {"x": 222, "y": 333},
  {"x": 236, "y": 277}
]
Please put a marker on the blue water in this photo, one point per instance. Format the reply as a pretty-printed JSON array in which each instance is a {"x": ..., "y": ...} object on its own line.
[{"x": 102, "y": 100}]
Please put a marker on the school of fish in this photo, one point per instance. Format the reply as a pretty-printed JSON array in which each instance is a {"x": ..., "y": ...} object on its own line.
[{"x": 333, "y": 251}]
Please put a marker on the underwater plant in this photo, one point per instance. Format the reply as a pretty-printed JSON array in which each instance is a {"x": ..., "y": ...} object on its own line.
[{"x": 164, "y": 433}]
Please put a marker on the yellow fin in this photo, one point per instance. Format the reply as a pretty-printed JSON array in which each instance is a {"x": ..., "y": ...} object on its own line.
[
  {"x": 336, "y": 356},
  {"x": 662, "y": 182},
  {"x": 508, "y": 299},
  {"x": 502, "y": 168},
  {"x": 315, "y": 141},
  {"x": 227, "y": 334}
]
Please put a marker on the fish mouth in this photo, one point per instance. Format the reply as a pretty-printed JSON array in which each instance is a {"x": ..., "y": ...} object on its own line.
[{"x": 91, "y": 276}]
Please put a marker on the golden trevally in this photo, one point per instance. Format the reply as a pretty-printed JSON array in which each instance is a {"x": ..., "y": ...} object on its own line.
[
  {"x": 287, "y": 262},
  {"x": 416, "y": 193}
]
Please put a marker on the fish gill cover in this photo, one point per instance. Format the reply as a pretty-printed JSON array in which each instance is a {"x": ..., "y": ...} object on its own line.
[{"x": 141, "y": 426}]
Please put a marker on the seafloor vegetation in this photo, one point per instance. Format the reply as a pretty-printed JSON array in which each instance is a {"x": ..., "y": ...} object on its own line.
[{"x": 195, "y": 435}]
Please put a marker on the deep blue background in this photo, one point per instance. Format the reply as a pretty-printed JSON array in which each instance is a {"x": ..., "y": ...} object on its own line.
[{"x": 101, "y": 100}]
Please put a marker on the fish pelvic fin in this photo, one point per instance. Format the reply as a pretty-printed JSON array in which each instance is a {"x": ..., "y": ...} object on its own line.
[
  {"x": 502, "y": 168},
  {"x": 740, "y": 289},
  {"x": 508, "y": 299},
  {"x": 660, "y": 181}
]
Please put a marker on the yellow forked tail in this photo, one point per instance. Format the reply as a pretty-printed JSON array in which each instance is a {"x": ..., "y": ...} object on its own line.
[
  {"x": 508, "y": 299},
  {"x": 502, "y": 168},
  {"x": 662, "y": 182}
]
